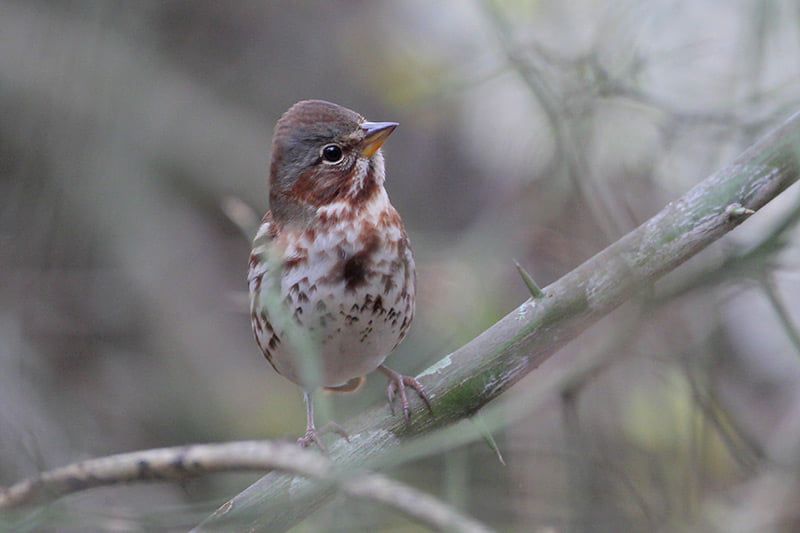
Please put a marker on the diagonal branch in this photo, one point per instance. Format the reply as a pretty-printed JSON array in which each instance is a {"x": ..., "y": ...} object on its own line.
[
  {"x": 182, "y": 462},
  {"x": 467, "y": 379}
]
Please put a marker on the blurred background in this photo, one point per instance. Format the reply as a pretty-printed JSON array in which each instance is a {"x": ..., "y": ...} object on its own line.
[{"x": 134, "y": 144}]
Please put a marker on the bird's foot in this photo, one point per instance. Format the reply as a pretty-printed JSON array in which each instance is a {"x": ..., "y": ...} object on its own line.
[
  {"x": 313, "y": 435},
  {"x": 397, "y": 387}
]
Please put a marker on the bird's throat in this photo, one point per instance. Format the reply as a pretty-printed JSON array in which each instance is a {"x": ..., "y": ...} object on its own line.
[{"x": 360, "y": 191}]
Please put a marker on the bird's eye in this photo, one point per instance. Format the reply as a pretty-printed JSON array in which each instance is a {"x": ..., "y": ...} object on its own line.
[{"x": 332, "y": 153}]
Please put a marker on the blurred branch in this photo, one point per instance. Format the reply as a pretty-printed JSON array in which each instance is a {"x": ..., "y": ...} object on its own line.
[
  {"x": 745, "y": 113},
  {"x": 740, "y": 449},
  {"x": 569, "y": 147},
  {"x": 467, "y": 379},
  {"x": 580, "y": 479},
  {"x": 767, "y": 502},
  {"x": 783, "y": 313},
  {"x": 242, "y": 215},
  {"x": 182, "y": 462}
]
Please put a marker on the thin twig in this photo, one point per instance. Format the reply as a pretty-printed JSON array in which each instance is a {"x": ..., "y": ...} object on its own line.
[{"x": 182, "y": 462}]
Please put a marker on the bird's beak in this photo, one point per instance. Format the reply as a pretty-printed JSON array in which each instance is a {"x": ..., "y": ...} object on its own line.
[{"x": 375, "y": 134}]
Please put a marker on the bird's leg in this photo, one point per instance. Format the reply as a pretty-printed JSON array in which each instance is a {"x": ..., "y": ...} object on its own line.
[
  {"x": 313, "y": 435},
  {"x": 397, "y": 385}
]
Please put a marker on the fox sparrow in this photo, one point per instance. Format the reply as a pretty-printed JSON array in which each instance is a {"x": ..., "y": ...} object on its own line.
[{"x": 332, "y": 280}]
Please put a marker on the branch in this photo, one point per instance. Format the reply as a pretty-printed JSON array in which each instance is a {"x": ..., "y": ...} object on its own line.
[
  {"x": 182, "y": 462},
  {"x": 467, "y": 379}
]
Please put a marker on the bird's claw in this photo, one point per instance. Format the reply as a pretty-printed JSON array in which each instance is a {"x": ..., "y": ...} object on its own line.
[
  {"x": 310, "y": 438},
  {"x": 313, "y": 436},
  {"x": 397, "y": 386}
]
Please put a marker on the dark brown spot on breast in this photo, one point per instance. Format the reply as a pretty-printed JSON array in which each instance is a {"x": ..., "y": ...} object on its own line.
[
  {"x": 388, "y": 283},
  {"x": 356, "y": 269},
  {"x": 377, "y": 307}
]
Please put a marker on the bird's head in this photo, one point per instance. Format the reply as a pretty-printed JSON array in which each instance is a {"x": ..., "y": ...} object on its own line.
[{"x": 324, "y": 153}]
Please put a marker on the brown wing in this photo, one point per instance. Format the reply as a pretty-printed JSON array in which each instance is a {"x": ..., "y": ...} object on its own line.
[{"x": 258, "y": 271}]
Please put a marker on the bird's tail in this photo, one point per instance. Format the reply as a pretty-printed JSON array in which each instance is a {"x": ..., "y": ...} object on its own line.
[{"x": 351, "y": 386}]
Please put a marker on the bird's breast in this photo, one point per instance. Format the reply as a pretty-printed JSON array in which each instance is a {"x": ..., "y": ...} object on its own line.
[
  {"x": 347, "y": 274},
  {"x": 348, "y": 284}
]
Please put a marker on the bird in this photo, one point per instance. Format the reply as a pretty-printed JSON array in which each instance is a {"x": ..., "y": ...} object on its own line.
[{"x": 331, "y": 278}]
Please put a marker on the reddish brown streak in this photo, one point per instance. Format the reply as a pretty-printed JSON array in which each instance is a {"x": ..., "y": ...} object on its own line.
[{"x": 295, "y": 261}]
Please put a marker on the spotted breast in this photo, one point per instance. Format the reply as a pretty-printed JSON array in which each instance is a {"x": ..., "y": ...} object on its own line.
[{"x": 340, "y": 287}]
